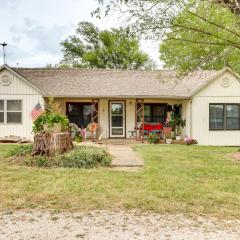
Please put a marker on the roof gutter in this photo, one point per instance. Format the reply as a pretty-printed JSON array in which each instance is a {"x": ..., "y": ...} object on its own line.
[{"x": 121, "y": 96}]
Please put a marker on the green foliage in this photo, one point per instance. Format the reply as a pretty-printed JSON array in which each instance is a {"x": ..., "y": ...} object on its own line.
[
  {"x": 153, "y": 138},
  {"x": 86, "y": 157},
  {"x": 80, "y": 157},
  {"x": 205, "y": 37},
  {"x": 176, "y": 120},
  {"x": 114, "y": 49},
  {"x": 48, "y": 119},
  {"x": 20, "y": 150},
  {"x": 196, "y": 34},
  {"x": 78, "y": 138},
  {"x": 39, "y": 161}
]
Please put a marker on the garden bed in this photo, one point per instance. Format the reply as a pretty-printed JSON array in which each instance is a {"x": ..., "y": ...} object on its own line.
[{"x": 79, "y": 157}]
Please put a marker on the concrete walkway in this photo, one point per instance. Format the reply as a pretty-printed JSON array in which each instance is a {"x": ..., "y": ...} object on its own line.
[{"x": 124, "y": 156}]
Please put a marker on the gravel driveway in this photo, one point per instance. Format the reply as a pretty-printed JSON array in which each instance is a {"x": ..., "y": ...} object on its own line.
[{"x": 45, "y": 225}]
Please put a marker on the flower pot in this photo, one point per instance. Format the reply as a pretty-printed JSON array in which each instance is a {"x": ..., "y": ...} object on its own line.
[
  {"x": 178, "y": 138},
  {"x": 55, "y": 129},
  {"x": 168, "y": 141}
]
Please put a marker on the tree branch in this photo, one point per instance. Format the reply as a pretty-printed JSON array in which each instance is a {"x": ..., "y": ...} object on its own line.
[
  {"x": 213, "y": 23},
  {"x": 199, "y": 42}
]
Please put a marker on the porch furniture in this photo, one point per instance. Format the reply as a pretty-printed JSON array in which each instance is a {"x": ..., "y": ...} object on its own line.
[
  {"x": 132, "y": 133},
  {"x": 92, "y": 128},
  {"x": 153, "y": 128},
  {"x": 75, "y": 130},
  {"x": 100, "y": 140}
]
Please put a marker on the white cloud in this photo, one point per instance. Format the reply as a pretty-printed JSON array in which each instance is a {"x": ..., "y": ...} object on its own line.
[
  {"x": 34, "y": 29},
  {"x": 41, "y": 38},
  {"x": 9, "y": 3}
]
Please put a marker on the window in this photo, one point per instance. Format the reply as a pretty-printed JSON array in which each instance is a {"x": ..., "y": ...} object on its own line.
[
  {"x": 1, "y": 111},
  {"x": 154, "y": 112},
  {"x": 79, "y": 113},
  {"x": 233, "y": 116},
  {"x": 224, "y": 116},
  {"x": 10, "y": 111},
  {"x": 216, "y": 116}
]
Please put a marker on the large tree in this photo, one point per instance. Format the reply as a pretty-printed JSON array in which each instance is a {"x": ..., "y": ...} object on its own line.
[
  {"x": 195, "y": 33},
  {"x": 111, "y": 49},
  {"x": 209, "y": 42}
]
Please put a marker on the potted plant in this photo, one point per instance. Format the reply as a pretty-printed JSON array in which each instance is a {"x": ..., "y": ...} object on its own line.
[
  {"x": 168, "y": 138},
  {"x": 180, "y": 124},
  {"x": 172, "y": 123}
]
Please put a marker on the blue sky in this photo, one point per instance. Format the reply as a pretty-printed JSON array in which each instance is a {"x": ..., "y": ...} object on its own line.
[{"x": 34, "y": 29}]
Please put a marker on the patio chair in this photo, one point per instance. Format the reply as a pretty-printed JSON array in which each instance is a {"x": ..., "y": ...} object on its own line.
[{"x": 100, "y": 140}]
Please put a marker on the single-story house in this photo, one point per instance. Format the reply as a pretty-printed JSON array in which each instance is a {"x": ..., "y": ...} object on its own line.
[{"x": 210, "y": 100}]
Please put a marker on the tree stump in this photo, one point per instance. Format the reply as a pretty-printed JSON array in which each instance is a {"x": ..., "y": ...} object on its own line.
[
  {"x": 61, "y": 143},
  {"x": 51, "y": 143}
]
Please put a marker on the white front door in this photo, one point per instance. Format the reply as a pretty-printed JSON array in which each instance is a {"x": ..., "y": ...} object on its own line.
[{"x": 117, "y": 118}]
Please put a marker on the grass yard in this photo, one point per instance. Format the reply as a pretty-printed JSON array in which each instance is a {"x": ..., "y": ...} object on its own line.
[{"x": 175, "y": 179}]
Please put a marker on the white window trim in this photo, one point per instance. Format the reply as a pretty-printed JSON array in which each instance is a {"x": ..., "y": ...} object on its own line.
[{"x": 5, "y": 111}]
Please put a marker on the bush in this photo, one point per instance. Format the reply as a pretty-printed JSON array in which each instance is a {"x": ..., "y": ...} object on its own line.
[
  {"x": 20, "y": 150},
  {"x": 153, "y": 138},
  {"x": 80, "y": 157},
  {"x": 86, "y": 157}
]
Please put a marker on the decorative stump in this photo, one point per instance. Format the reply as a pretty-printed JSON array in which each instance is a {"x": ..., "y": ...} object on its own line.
[{"x": 49, "y": 144}]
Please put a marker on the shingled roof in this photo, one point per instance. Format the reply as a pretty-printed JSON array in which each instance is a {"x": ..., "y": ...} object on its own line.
[{"x": 115, "y": 83}]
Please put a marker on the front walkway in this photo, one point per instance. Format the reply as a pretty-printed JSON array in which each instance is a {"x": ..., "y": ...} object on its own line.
[{"x": 124, "y": 156}]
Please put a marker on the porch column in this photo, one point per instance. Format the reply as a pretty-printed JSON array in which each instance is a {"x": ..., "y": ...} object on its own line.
[
  {"x": 139, "y": 115},
  {"x": 94, "y": 115}
]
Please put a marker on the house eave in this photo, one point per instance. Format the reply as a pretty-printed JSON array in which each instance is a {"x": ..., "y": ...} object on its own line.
[
  {"x": 120, "y": 96},
  {"x": 22, "y": 78},
  {"x": 214, "y": 77}
]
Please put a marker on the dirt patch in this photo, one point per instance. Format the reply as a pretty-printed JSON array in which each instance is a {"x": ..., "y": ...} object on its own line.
[
  {"x": 236, "y": 156},
  {"x": 119, "y": 225}
]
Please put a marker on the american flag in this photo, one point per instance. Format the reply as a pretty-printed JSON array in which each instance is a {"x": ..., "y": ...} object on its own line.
[{"x": 36, "y": 112}]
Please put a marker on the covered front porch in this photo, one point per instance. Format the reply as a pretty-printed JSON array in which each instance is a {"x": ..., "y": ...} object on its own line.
[{"x": 121, "y": 118}]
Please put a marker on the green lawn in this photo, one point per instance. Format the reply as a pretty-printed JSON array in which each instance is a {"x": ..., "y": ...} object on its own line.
[{"x": 175, "y": 179}]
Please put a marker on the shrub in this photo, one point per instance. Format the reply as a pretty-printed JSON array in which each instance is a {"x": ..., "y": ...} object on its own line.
[
  {"x": 85, "y": 157},
  {"x": 20, "y": 150},
  {"x": 190, "y": 141}
]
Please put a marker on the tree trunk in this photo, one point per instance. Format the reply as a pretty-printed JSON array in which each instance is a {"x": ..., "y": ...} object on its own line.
[{"x": 51, "y": 143}]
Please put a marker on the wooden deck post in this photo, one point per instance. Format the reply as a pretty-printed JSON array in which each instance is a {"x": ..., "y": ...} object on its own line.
[
  {"x": 140, "y": 116},
  {"x": 94, "y": 114}
]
